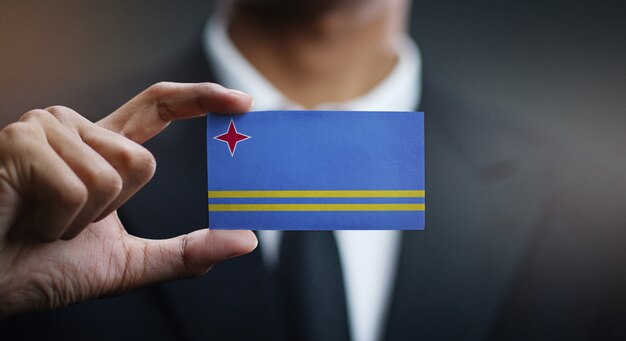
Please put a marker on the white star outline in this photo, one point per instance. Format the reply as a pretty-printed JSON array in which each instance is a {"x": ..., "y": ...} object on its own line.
[{"x": 247, "y": 137}]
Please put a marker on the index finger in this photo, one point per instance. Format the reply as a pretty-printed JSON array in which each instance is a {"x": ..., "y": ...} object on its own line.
[{"x": 152, "y": 110}]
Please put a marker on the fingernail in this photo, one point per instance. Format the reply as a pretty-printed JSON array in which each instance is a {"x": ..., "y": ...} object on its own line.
[
  {"x": 238, "y": 93},
  {"x": 235, "y": 243},
  {"x": 242, "y": 96},
  {"x": 205, "y": 248}
]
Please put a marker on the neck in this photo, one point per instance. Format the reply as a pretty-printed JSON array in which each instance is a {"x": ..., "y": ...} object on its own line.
[{"x": 334, "y": 57}]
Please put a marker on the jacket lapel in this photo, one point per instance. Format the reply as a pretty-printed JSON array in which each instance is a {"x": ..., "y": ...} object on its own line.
[{"x": 453, "y": 275}]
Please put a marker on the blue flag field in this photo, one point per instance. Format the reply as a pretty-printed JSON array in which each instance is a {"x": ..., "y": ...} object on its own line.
[{"x": 316, "y": 170}]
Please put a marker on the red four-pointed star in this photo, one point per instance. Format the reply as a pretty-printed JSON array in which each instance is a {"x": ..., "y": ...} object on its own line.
[{"x": 231, "y": 137}]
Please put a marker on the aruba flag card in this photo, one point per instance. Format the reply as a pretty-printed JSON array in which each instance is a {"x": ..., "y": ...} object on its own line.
[{"x": 316, "y": 170}]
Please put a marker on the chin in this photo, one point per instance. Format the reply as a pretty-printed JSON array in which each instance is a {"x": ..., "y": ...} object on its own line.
[{"x": 295, "y": 10}]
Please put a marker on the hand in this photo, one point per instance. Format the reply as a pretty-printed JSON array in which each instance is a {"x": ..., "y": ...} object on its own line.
[{"x": 62, "y": 179}]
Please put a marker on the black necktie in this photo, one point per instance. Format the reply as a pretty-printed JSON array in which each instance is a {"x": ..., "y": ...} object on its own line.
[{"x": 311, "y": 287}]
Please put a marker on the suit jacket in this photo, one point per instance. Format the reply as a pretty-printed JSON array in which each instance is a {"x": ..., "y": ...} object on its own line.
[{"x": 519, "y": 243}]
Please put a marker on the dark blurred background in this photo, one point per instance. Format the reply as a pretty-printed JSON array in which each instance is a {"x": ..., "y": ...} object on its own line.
[{"x": 559, "y": 64}]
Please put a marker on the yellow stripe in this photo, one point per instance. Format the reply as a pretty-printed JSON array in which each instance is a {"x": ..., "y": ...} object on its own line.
[
  {"x": 315, "y": 207},
  {"x": 319, "y": 194}
]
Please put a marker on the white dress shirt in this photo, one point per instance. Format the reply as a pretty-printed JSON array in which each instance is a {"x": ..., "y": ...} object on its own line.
[{"x": 368, "y": 258}]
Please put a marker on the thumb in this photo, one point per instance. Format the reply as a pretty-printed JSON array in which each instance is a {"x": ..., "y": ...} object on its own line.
[{"x": 190, "y": 255}]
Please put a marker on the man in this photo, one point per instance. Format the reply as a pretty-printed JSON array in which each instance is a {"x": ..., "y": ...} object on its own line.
[{"x": 511, "y": 249}]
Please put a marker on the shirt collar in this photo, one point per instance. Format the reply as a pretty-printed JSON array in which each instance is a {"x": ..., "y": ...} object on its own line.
[{"x": 399, "y": 91}]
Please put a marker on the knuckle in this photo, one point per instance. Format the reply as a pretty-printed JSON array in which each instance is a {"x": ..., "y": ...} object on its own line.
[
  {"x": 74, "y": 196},
  {"x": 21, "y": 133},
  {"x": 155, "y": 95},
  {"x": 209, "y": 87},
  {"x": 106, "y": 183},
  {"x": 59, "y": 111},
  {"x": 206, "y": 86},
  {"x": 156, "y": 87},
  {"x": 144, "y": 166},
  {"x": 36, "y": 115},
  {"x": 155, "y": 90},
  {"x": 15, "y": 129},
  {"x": 138, "y": 163}
]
